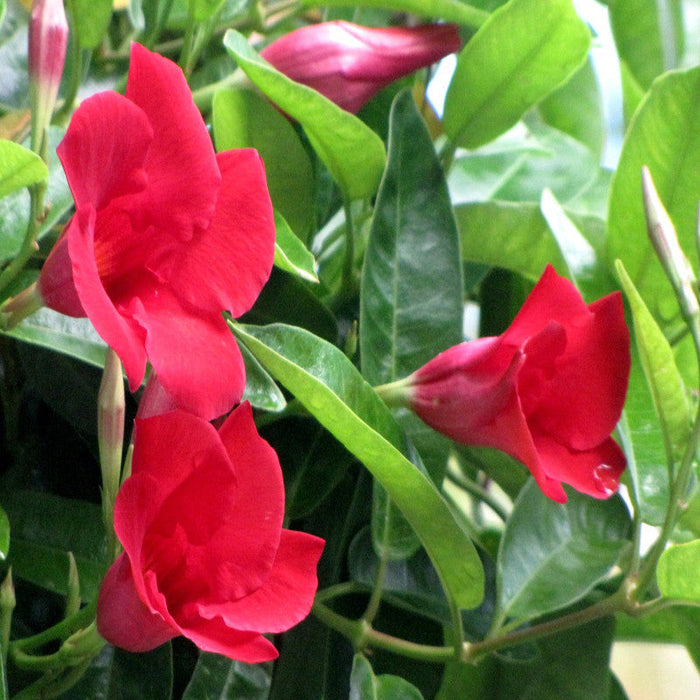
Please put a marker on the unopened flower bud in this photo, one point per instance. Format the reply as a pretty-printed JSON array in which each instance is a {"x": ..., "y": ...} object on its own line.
[
  {"x": 665, "y": 241},
  {"x": 349, "y": 64},
  {"x": 7, "y": 606},
  {"x": 48, "y": 39}
]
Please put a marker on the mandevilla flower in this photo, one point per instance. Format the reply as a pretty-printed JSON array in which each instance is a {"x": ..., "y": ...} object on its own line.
[
  {"x": 548, "y": 391},
  {"x": 349, "y": 64},
  {"x": 166, "y": 235},
  {"x": 205, "y": 555}
]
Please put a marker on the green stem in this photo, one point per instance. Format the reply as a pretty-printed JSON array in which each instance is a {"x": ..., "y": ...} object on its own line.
[
  {"x": 338, "y": 590},
  {"x": 204, "y": 96},
  {"x": 479, "y": 492},
  {"x": 159, "y": 24},
  {"x": 75, "y": 59},
  {"x": 347, "y": 286},
  {"x": 62, "y": 630},
  {"x": 375, "y": 598}
]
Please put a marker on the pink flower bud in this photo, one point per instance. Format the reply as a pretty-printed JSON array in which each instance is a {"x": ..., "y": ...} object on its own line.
[
  {"x": 48, "y": 38},
  {"x": 349, "y": 64}
]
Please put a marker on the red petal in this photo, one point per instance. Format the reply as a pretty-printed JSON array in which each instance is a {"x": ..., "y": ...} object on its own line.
[
  {"x": 595, "y": 472},
  {"x": 585, "y": 396},
  {"x": 226, "y": 266},
  {"x": 122, "y": 617},
  {"x": 56, "y": 284},
  {"x": 286, "y": 597},
  {"x": 104, "y": 149},
  {"x": 183, "y": 178},
  {"x": 118, "y": 331}
]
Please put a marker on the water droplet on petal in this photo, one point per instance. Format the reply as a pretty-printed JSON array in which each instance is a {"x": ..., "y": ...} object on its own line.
[{"x": 606, "y": 479}]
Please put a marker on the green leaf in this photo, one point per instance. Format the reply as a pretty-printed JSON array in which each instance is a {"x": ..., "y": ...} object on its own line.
[
  {"x": 524, "y": 51},
  {"x": 243, "y": 118},
  {"x": 201, "y": 10},
  {"x": 448, "y": 10},
  {"x": 665, "y": 136},
  {"x": 576, "y": 108},
  {"x": 364, "y": 685},
  {"x": 216, "y": 677},
  {"x": 4, "y": 534},
  {"x": 291, "y": 254},
  {"x": 406, "y": 318},
  {"x": 351, "y": 151},
  {"x": 260, "y": 387},
  {"x": 14, "y": 209},
  {"x": 678, "y": 571},
  {"x": 70, "y": 336},
  {"x": 553, "y": 554},
  {"x": 91, "y": 18},
  {"x": 327, "y": 384},
  {"x": 44, "y": 529},
  {"x": 662, "y": 376},
  {"x": 19, "y": 167},
  {"x": 648, "y": 36}
]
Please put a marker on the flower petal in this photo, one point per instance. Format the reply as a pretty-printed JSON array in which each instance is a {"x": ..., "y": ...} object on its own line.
[
  {"x": 118, "y": 331},
  {"x": 183, "y": 178},
  {"x": 122, "y": 617},
  {"x": 286, "y": 597},
  {"x": 195, "y": 357},
  {"x": 104, "y": 149},
  {"x": 234, "y": 255}
]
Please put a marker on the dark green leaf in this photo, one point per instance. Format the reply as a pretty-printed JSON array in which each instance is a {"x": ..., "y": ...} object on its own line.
[
  {"x": 260, "y": 387},
  {"x": 91, "y": 19},
  {"x": 351, "y": 151},
  {"x": 44, "y": 529},
  {"x": 663, "y": 379},
  {"x": 648, "y": 36},
  {"x": 364, "y": 685},
  {"x": 330, "y": 388},
  {"x": 524, "y": 51},
  {"x": 448, "y": 10},
  {"x": 243, "y": 118},
  {"x": 19, "y": 167},
  {"x": 216, "y": 677},
  {"x": 677, "y": 571},
  {"x": 552, "y": 554},
  {"x": 406, "y": 317},
  {"x": 665, "y": 136}
]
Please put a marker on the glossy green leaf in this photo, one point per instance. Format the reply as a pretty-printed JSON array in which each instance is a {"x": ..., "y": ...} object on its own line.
[
  {"x": 216, "y": 677},
  {"x": 91, "y": 18},
  {"x": 665, "y": 136},
  {"x": 553, "y": 554},
  {"x": 44, "y": 529},
  {"x": 406, "y": 318},
  {"x": 201, "y": 10},
  {"x": 524, "y": 51},
  {"x": 4, "y": 534},
  {"x": 448, "y": 10},
  {"x": 643, "y": 442},
  {"x": 327, "y": 384},
  {"x": 243, "y": 118},
  {"x": 648, "y": 36},
  {"x": 632, "y": 92},
  {"x": 260, "y": 387},
  {"x": 14, "y": 209},
  {"x": 519, "y": 164},
  {"x": 663, "y": 379},
  {"x": 576, "y": 108},
  {"x": 364, "y": 685},
  {"x": 291, "y": 254},
  {"x": 75, "y": 337},
  {"x": 677, "y": 572},
  {"x": 19, "y": 167},
  {"x": 351, "y": 151}
]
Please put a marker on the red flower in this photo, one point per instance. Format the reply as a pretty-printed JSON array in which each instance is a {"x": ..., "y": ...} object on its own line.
[
  {"x": 205, "y": 555},
  {"x": 349, "y": 64},
  {"x": 166, "y": 236},
  {"x": 549, "y": 391}
]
